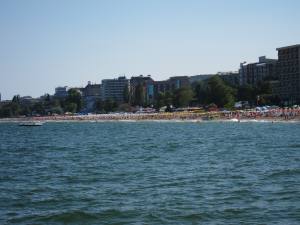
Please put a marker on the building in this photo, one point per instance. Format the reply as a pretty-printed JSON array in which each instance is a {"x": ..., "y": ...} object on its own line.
[
  {"x": 80, "y": 90},
  {"x": 114, "y": 88},
  {"x": 28, "y": 100},
  {"x": 201, "y": 77},
  {"x": 179, "y": 82},
  {"x": 4, "y": 102},
  {"x": 91, "y": 94},
  {"x": 171, "y": 84},
  {"x": 232, "y": 78},
  {"x": 61, "y": 92},
  {"x": 92, "y": 90},
  {"x": 147, "y": 84},
  {"x": 253, "y": 73},
  {"x": 289, "y": 74},
  {"x": 161, "y": 87}
]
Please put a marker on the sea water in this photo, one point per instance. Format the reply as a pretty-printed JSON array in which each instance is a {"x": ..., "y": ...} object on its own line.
[{"x": 150, "y": 173}]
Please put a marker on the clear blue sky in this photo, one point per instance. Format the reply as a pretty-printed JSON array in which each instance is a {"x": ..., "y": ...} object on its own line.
[{"x": 48, "y": 43}]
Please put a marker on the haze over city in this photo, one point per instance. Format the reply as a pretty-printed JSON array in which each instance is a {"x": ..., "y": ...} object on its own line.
[{"x": 45, "y": 44}]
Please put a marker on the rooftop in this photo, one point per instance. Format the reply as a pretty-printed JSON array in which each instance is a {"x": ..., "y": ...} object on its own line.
[{"x": 286, "y": 47}]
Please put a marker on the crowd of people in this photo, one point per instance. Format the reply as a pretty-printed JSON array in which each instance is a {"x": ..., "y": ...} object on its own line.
[
  {"x": 272, "y": 114},
  {"x": 278, "y": 114}
]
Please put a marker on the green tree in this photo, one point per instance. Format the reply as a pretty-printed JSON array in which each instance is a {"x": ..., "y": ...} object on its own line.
[
  {"x": 74, "y": 97},
  {"x": 46, "y": 97},
  {"x": 126, "y": 95},
  {"x": 164, "y": 99},
  {"x": 265, "y": 88},
  {"x": 160, "y": 100},
  {"x": 201, "y": 91},
  {"x": 15, "y": 105},
  {"x": 110, "y": 105},
  {"x": 219, "y": 93},
  {"x": 99, "y": 106},
  {"x": 139, "y": 95},
  {"x": 55, "y": 103},
  {"x": 26, "y": 110},
  {"x": 183, "y": 97},
  {"x": 16, "y": 99},
  {"x": 247, "y": 93},
  {"x": 57, "y": 110},
  {"x": 71, "y": 107},
  {"x": 168, "y": 98},
  {"x": 39, "y": 108},
  {"x": 125, "y": 107},
  {"x": 5, "y": 111}
]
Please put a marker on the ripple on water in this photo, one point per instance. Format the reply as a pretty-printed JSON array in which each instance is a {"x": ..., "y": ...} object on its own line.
[{"x": 150, "y": 173}]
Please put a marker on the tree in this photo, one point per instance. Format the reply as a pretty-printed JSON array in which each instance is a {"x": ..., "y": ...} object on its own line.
[
  {"x": 126, "y": 94},
  {"x": 200, "y": 91},
  {"x": 26, "y": 110},
  {"x": 5, "y": 111},
  {"x": 71, "y": 107},
  {"x": 183, "y": 97},
  {"x": 125, "y": 107},
  {"x": 265, "y": 88},
  {"x": 247, "y": 93},
  {"x": 55, "y": 103},
  {"x": 74, "y": 97},
  {"x": 139, "y": 95},
  {"x": 164, "y": 99},
  {"x": 16, "y": 99},
  {"x": 219, "y": 93},
  {"x": 47, "y": 97},
  {"x": 99, "y": 106},
  {"x": 160, "y": 101},
  {"x": 110, "y": 105},
  {"x": 57, "y": 110},
  {"x": 168, "y": 98},
  {"x": 39, "y": 108},
  {"x": 15, "y": 106}
]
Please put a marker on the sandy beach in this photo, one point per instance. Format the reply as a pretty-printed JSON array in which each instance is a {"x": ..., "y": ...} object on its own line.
[{"x": 230, "y": 116}]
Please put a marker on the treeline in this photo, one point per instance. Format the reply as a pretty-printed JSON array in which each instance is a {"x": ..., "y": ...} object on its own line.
[
  {"x": 212, "y": 91},
  {"x": 224, "y": 95},
  {"x": 203, "y": 93},
  {"x": 47, "y": 105}
]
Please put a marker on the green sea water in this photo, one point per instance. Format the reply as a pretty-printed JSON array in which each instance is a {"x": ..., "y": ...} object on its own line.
[{"x": 150, "y": 173}]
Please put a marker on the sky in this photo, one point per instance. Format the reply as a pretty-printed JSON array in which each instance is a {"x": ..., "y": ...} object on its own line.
[{"x": 50, "y": 43}]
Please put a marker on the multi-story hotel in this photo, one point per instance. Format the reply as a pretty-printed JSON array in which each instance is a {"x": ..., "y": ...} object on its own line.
[
  {"x": 92, "y": 90},
  {"x": 148, "y": 86},
  {"x": 114, "y": 88},
  {"x": 171, "y": 84},
  {"x": 61, "y": 92},
  {"x": 231, "y": 78},
  {"x": 253, "y": 73},
  {"x": 289, "y": 74}
]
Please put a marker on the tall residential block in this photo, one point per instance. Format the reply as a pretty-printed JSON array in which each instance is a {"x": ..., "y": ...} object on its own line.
[
  {"x": 114, "y": 88},
  {"x": 91, "y": 94},
  {"x": 253, "y": 73},
  {"x": 289, "y": 73},
  {"x": 92, "y": 90},
  {"x": 232, "y": 78},
  {"x": 147, "y": 84},
  {"x": 171, "y": 84},
  {"x": 178, "y": 82},
  {"x": 200, "y": 77},
  {"x": 61, "y": 92}
]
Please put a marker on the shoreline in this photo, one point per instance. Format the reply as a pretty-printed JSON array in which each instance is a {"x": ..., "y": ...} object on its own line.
[{"x": 156, "y": 117}]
